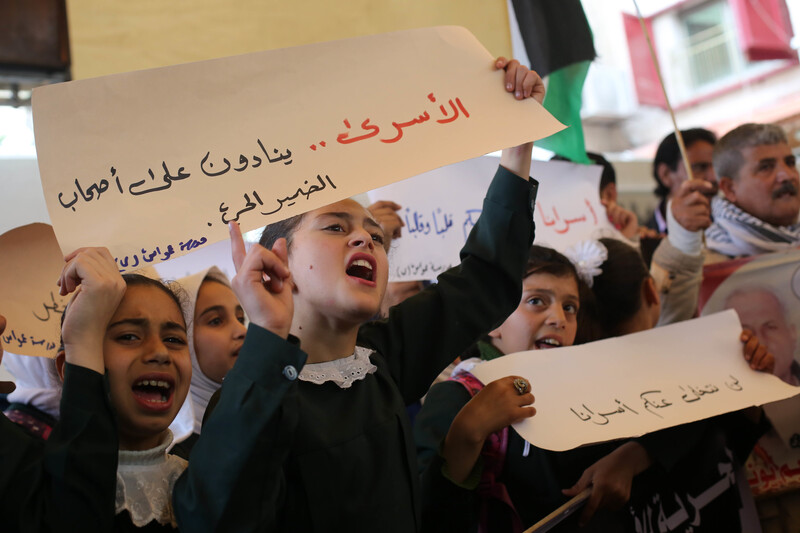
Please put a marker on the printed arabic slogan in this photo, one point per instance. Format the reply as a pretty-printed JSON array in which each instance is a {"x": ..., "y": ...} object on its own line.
[
  {"x": 155, "y": 163},
  {"x": 764, "y": 290},
  {"x": 30, "y": 263},
  {"x": 632, "y": 385},
  {"x": 437, "y": 223}
]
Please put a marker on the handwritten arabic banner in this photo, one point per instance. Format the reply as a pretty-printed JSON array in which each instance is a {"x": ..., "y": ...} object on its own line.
[
  {"x": 30, "y": 263},
  {"x": 217, "y": 254},
  {"x": 632, "y": 385},
  {"x": 155, "y": 163},
  {"x": 568, "y": 210}
]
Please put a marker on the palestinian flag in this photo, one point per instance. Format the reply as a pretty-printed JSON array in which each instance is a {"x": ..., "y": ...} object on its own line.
[{"x": 559, "y": 44}]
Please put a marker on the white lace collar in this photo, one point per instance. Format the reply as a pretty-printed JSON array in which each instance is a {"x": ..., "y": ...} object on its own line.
[
  {"x": 344, "y": 372},
  {"x": 144, "y": 483}
]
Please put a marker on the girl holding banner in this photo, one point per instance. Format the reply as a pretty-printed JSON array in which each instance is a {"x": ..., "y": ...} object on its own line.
[
  {"x": 317, "y": 439},
  {"x": 479, "y": 476}
]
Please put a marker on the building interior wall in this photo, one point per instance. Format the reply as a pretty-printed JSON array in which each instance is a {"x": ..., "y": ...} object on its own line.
[{"x": 110, "y": 36}]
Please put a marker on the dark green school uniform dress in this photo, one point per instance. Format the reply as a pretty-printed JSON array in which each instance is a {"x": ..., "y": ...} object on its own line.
[
  {"x": 67, "y": 483},
  {"x": 280, "y": 454}
]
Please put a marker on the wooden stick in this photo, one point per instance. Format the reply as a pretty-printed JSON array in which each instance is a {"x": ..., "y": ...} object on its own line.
[
  {"x": 561, "y": 513},
  {"x": 678, "y": 135}
]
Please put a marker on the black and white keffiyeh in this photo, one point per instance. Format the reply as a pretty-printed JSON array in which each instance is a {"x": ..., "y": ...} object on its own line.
[{"x": 736, "y": 233}]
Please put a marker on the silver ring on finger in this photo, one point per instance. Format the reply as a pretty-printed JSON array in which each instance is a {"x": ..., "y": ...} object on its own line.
[{"x": 521, "y": 385}]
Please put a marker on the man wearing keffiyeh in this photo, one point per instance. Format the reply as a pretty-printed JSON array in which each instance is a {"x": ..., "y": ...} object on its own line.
[
  {"x": 756, "y": 214},
  {"x": 760, "y": 182}
]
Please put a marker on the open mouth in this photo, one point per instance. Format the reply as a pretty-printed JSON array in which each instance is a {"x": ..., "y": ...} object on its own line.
[
  {"x": 362, "y": 267},
  {"x": 155, "y": 394},
  {"x": 546, "y": 343}
]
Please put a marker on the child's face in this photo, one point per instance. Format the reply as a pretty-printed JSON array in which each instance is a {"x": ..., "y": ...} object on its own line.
[
  {"x": 149, "y": 368},
  {"x": 545, "y": 318},
  {"x": 338, "y": 264},
  {"x": 218, "y": 329}
]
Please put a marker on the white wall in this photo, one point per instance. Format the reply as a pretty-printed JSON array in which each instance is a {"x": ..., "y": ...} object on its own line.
[{"x": 22, "y": 198}]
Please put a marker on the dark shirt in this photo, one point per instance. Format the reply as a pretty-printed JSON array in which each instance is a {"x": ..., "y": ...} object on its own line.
[
  {"x": 67, "y": 483},
  {"x": 658, "y": 221}
]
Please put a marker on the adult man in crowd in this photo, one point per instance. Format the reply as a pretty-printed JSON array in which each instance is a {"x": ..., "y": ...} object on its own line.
[
  {"x": 670, "y": 173},
  {"x": 760, "y": 182},
  {"x": 758, "y": 213}
]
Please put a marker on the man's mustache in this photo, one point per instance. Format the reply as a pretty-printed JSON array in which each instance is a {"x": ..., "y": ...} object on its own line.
[{"x": 787, "y": 187}]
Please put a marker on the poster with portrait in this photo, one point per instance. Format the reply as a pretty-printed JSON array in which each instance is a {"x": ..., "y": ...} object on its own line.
[{"x": 765, "y": 292}]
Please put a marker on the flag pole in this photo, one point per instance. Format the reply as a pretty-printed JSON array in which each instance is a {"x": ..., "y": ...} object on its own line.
[
  {"x": 678, "y": 134},
  {"x": 551, "y": 520}
]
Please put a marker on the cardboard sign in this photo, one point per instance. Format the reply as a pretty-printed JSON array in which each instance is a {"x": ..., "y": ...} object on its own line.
[
  {"x": 628, "y": 386},
  {"x": 155, "y": 163},
  {"x": 30, "y": 264}
]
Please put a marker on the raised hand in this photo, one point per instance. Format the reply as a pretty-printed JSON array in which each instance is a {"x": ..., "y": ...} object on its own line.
[
  {"x": 263, "y": 283},
  {"x": 523, "y": 83},
  {"x": 692, "y": 206},
  {"x": 385, "y": 213},
  {"x": 622, "y": 219},
  {"x": 93, "y": 276},
  {"x": 520, "y": 80}
]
